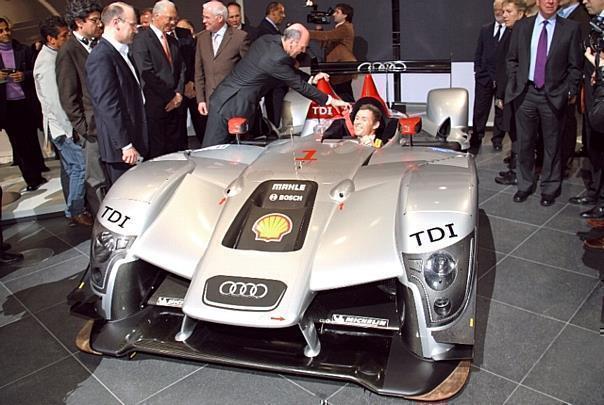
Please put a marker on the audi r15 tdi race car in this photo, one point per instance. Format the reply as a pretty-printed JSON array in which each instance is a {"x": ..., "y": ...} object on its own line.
[{"x": 312, "y": 255}]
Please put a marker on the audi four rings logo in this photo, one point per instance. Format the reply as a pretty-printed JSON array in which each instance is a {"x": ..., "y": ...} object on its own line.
[
  {"x": 244, "y": 290},
  {"x": 395, "y": 66}
]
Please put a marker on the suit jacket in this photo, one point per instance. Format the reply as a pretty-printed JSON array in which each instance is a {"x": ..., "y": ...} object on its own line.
[
  {"x": 266, "y": 28},
  {"x": 484, "y": 57},
  {"x": 73, "y": 92},
  {"x": 117, "y": 101},
  {"x": 24, "y": 62},
  {"x": 563, "y": 67},
  {"x": 45, "y": 77},
  {"x": 160, "y": 79},
  {"x": 264, "y": 67},
  {"x": 252, "y": 32},
  {"x": 338, "y": 44},
  {"x": 581, "y": 16},
  {"x": 187, "y": 45},
  {"x": 210, "y": 70},
  {"x": 501, "y": 77}
]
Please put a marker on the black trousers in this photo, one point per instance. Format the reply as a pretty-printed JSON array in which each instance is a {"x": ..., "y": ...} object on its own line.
[
  {"x": 22, "y": 132},
  {"x": 594, "y": 146},
  {"x": 532, "y": 108},
  {"x": 569, "y": 135},
  {"x": 199, "y": 121},
  {"x": 164, "y": 132},
  {"x": 273, "y": 101},
  {"x": 113, "y": 171},
  {"x": 96, "y": 178},
  {"x": 483, "y": 99}
]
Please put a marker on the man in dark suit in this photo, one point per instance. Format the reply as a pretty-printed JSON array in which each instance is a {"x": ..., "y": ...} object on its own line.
[
  {"x": 116, "y": 94},
  {"x": 270, "y": 25},
  {"x": 484, "y": 80},
  {"x": 187, "y": 44},
  {"x": 575, "y": 11},
  {"x": 219, "y": 48},
  {"x": 84, "y": 20},
  {"x": 544, "y": 68},
  {"x": 17, "y": 98},
  {"x": 235, "y": 21},
  {"x": 160, "y": 64},
  {"x": 269, "y": 62}
]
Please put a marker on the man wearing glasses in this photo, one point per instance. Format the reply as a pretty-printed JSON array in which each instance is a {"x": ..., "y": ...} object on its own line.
[
  {"x": 84, "y": 20},
  {"x": 116, "y": 94},
  {"x": 157, "y": 57}
]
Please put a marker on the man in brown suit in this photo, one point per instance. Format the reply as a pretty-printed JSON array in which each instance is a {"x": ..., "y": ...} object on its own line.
[
  {"x": 219, "y": 48},
  {"x": 338, "y": 44},
  {"x": 84, "y": 20}
]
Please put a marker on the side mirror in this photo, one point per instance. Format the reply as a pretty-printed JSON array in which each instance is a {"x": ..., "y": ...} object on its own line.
[{"x": 238, "y": 126}]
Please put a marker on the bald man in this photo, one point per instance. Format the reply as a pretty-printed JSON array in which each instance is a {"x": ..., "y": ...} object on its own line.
[{"x": 268, "y": 64}]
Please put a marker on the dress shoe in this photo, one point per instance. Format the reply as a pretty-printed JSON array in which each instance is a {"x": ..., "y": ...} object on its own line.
[
  {"x": 5, "y": 246},
  {"x": 82, "y": 219},
  {"x": 596, "y": 244},
  {"x": 585, "y": 200},
  {"x": 596, "y": 223},
  {"x": 10, "y": 258},
  {"x": 35, "y": 186},
  {"x": 507, "y": 178},
  {"x": 595, "y": 212},
  {"x": 547, "y": 200},
  {"x": 497, "y": 147},
  {"x": 521, "y": 196}
]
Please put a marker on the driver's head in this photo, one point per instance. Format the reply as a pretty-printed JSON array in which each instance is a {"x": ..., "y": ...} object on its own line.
[{"x": 367, "y": 120}]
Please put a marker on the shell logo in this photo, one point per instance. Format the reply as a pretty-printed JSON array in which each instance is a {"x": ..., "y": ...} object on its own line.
[{"x": 272, "y": 227}]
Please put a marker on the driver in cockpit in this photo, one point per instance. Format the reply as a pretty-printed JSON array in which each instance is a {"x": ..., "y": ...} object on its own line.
[{"x": 366, "y": 122}]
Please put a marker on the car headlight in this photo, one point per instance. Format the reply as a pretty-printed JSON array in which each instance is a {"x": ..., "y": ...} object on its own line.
[
  {"x": 107, "y": 247},
  {"x": 106, "y": 243},
  {"x": 440, "y": 270},
  {"x": 443, "y": 278}
]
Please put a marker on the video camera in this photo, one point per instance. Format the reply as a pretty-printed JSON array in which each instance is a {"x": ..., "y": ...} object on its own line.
[
  {"x": 316, "y": 16},
  {"x": 595, "y": 40}
]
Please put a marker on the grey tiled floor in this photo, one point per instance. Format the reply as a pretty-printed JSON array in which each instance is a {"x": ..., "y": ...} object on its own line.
[{"x": 537, "y": 323}]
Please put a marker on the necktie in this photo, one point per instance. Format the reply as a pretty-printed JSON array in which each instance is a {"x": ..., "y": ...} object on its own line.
[
  {"x": 498, "y": 33},
  {"x": 215, "y": 42},
  {"x": 539, "y": 76},
  {"x": 164, "y": 43}
]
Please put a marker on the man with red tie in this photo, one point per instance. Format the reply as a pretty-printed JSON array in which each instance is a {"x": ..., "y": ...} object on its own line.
[
  {"x": 544, "y": 68},
  {"x": 161, "y": 67}
]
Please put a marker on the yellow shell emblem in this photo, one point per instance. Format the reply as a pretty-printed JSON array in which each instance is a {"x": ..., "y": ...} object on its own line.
[{"x": 272, "y": 227}]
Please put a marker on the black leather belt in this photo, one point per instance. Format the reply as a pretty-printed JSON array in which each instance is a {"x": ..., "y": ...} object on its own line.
[{"x": 532, "y": 84}]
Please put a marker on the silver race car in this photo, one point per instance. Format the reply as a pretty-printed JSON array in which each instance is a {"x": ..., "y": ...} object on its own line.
[{"x": 313, "y": 256}]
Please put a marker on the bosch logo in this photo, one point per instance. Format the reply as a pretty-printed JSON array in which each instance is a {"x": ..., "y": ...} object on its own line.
[
  {"x": 273, "y": 197},
  {"x": 243, "y": 290}
]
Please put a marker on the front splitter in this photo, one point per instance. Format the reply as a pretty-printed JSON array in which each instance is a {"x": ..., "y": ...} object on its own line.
[{"x": 381, "y": 364}]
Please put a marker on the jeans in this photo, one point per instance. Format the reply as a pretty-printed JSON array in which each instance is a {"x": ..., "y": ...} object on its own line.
[{"x": 74, "y": 162}]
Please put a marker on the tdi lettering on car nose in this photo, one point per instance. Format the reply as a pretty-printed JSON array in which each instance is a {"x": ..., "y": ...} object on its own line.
[
  {"x": 114, "y": 216},
  {"x": 434, "y": 234}
]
